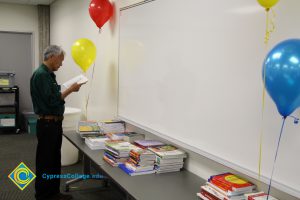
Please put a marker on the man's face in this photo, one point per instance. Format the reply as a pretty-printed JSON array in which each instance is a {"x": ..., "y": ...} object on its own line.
[{"x": 56, "y": 62}]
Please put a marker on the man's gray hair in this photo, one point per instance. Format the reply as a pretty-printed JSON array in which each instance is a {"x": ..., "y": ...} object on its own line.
[{"x": 53, "y": 50}]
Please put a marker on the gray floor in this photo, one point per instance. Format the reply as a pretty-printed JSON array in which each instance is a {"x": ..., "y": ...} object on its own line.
[{"x": 16, "y": 148}]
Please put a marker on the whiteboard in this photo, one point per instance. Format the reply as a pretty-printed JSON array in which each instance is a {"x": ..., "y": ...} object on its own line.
[{"x": 191, "y": 71}]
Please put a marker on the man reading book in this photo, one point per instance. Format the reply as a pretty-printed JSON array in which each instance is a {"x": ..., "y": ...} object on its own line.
[{"x": 49, "y": 105}]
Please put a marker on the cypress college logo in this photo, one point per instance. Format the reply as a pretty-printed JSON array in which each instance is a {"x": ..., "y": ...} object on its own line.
[{"x": 21, "y": 176}]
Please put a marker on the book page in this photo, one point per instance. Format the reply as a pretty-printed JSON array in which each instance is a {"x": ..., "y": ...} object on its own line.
[{"x": 78, "y": 79}]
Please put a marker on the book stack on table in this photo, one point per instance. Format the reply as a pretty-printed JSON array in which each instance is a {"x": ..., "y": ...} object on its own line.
[
  {"x": 117, "y": 151},
  {"x": 141, "y": 161},
  {"x": 226, "y": 186},
  {"x": 142, "y": 157},
  {"x": 88, "y": 129},
  {"x": 168, "y": 158},
  {"x": 112, "y": 126},
  {"x": 126, "y": 136},
  {"x": 96, "y": 142},
  {"x": 148, "y": 143},
  {"x": 133, "y": 136}
]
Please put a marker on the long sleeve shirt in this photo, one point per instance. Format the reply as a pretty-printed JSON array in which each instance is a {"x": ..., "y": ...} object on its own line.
[{"x": 46, "y": 93}]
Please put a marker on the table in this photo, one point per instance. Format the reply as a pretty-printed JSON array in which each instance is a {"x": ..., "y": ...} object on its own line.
[{"x": 181, "y": 185}]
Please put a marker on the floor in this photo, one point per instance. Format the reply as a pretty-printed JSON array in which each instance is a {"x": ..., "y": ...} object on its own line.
[{"x": 17, "y": 148}]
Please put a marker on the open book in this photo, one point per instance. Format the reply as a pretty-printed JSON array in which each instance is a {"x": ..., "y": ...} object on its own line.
[{"x": 78, "y": 79}]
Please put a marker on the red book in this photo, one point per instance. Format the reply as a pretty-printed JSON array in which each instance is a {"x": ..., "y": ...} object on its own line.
[
  {"x": 253, "y": 197},
  {"x": 208, "y": 195},
  {"x": 258, "y": 196},
  {"x": 215, "y": 193},
  {"x": 221, "y": 185},
  {"x": 231, "y": 182}
]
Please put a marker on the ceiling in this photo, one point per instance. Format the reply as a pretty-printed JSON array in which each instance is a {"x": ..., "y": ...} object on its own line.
[{"x": 28, "y": 2}]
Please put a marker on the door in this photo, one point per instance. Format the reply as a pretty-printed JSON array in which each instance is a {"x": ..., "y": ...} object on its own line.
[{"x": 16, "y": 55}]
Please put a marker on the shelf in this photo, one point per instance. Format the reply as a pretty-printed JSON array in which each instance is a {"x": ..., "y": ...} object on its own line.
[
  {"x": 9, "y": 117},
  {"x": 10, "y": 106},
  {"x": 8, "y": 90}
]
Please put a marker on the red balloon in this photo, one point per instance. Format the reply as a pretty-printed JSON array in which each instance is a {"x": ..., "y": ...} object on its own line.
[{"x": 100, "y": 11}]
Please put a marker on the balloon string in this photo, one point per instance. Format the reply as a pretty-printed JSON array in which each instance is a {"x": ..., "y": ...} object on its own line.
[
  {"x": 89, "y": 91},
  {"x": 270, "y": 25},
  {"x": 267, "y": 34},
  {"x": 277, "y": 148},
  {"x": 260, "y": 149},
  {"x": 262, "y": 123},
  {"x": 262, "y": 126}
]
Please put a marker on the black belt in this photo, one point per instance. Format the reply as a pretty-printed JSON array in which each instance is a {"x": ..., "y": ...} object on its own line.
[{"x": 51, "y": 117}]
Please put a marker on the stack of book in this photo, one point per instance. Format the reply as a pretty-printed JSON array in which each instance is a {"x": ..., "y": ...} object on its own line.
[
  {"x": 133, "y": 136},
  {"x": 88, "y": 128},
  {"x": 141, "y": 162},
  {"x": 126, "y": 136},
  {"x": 116, "y": 136},
  {"x": 112, "y": 126},
  {"x": 96, "y": 142},
  {"x": 225, "y": 186},
  {"x": 258, "y": 196},
  {"x": 148, "y": 143},
  {"x": 168, "y": 158},
  {"x": 117, "y": 151}
]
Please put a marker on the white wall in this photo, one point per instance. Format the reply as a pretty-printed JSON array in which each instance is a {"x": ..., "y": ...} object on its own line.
[
  {"x": 21, "y": 18},
  {"x": 69, "y": 22}
]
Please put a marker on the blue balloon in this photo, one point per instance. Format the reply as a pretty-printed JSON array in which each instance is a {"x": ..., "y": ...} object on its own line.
[{"x": 282, "y": 75}]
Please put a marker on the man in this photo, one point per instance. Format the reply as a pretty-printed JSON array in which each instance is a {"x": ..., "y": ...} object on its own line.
[{"x": 48, "y": 103}]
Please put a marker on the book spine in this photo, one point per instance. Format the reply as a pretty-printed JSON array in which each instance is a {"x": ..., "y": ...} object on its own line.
[
  {"x": 209, "y": 196},
  {"x": 109, "y": 161},
  {"x": 214, "y": 192},
  {"x": 134, "y": 155},
  {"x": 125, "y": 169},
  {"x": 202, "y": 197},
  {"x": 133, "y": 161},
  {"x": 253, "y": 197},
  {"x": 217, "y": 189}
]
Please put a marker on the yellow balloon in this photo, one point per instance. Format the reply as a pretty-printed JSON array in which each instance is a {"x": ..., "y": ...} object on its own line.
[
  {"x": 84, "y": 53},
  {"x": 267, "y": 3}
]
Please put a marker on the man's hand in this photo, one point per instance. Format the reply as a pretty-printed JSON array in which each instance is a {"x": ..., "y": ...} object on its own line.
[{"x": 75, "y": 87}]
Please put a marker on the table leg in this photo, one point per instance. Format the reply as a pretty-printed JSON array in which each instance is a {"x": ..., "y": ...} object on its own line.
[{"x": 86, "y": 171}]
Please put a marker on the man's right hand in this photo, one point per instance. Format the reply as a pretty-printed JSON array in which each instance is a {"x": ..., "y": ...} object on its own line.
[{"x": 75, "y": 87}]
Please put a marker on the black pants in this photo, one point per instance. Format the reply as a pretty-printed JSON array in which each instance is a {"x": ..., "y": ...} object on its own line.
[{"x": 48, "y": 158}]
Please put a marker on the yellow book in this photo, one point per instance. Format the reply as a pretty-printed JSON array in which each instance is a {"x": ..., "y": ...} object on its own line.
[{"x": 88, "y": 126}]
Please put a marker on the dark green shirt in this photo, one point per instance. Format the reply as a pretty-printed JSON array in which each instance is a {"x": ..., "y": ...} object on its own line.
[{"x": 45, "y": 93}]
